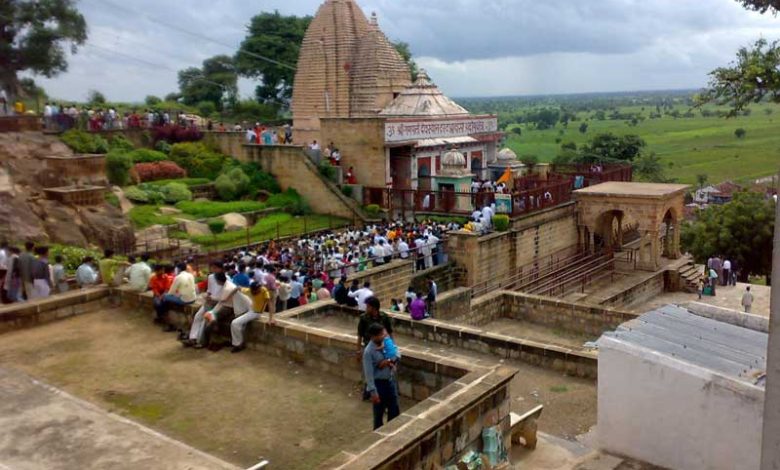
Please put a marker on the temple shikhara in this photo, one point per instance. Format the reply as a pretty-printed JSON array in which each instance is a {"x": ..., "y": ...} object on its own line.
[{"x": 352, "y": 88}]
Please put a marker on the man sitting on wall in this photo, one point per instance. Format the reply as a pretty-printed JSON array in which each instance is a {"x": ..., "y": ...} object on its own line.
[{"x": 204, "y": 316}]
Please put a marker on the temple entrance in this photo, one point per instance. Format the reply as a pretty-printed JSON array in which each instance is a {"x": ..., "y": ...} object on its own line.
[
  {"x": 609, "y": 232},
  {"x": 670, "y": 238}
]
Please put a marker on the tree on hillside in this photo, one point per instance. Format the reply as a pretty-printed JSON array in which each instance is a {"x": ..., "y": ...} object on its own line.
[
  {"x": 740, "y": 133},
  {"x": 608, "y": 147},
  {"x": 33, "y": 36},
  {"x": 216, "y": 82},
  {"x": 741, "y": 230},
  {"x": 583, "y": 127},
  {"x": 648, "y": 168},
  {"x": 278, "y": 37},
  {"x": 96, "y": 98},
  {"x": 406, "y": 54},
  {"x": 152, "y": 100},
  {"x": 701, "y": 179}
]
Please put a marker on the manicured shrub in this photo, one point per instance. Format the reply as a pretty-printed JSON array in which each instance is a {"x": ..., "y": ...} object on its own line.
[
  {"x": 163, "y": 146},
  {"x": 175, "y": 134},
  {"x": 84, "y": 142},
  {"x": 347, "y": 190},
  {"x": 72, "y": 256},
  {"x": 120, "y": 142},
  {"x": 159, "y": 171},
  {"x": 373, "y": 210},
  {"x": 176, "y": 192},
  {"x": 118, "y": 164},
  {"x": 136, "y": 194},
  {"x": 226, "y": 188},
  {"x": 501, "y": 222},
  {"x": 216, "y": 225},
  {"x": 202, "y": 210},
  {"x": 147, "y": 156},
  {"x": 198, "y": 160}
]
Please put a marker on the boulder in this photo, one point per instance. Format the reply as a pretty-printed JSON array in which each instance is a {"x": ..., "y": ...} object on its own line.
[
  {"x": 106, "y": 226},
  {"x": 167, "y": 210},
  {"x": 234, "y": 222},
  {"x": 194, "y": 228}
]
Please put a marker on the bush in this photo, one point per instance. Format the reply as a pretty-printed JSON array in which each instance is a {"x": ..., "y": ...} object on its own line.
[
  {"x": 216, "y": 226},
  {"x": 163, "y": 146},
  {"x": 259, "y": 180},
  {"x": 139, "y": 195},
  {"x": 373, "y": 210},
  {"x": 152, "y": 100},
  {"x": 176, "y": 192},
  {"x": 159, "y": 171},
  {"x": 226, "y": 188},
  {"x": 84, "y": 142},
  {"x": 112, "y": 200},
  {"x": 501, "y": 222},
  {"x": 203, "y": 210},
  {"x": 72, "y": 256},
  {"x": 118, "y": 164},
  {"x": 327, "y": 171},
  {"x": 347, "y": 190},
  {"x": 189, "y": 182},
  {"x": 120, "y": 142},
  {"x": 147, "y": 156},
  {"x": 289, "y": 201},
  {"x": 740, "y": 133},
  {"x": 175, "y": 134},
  {"x": 206, "y": 108},
  {"x": 198, "y": 160}
]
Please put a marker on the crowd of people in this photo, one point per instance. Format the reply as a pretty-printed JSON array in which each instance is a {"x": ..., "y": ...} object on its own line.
[
  {"x": 718, "y": 271},
  {"x": 264, "y": 135}
]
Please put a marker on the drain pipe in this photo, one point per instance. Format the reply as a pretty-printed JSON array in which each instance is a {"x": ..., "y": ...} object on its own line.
[{"x": 770, "y": 445}]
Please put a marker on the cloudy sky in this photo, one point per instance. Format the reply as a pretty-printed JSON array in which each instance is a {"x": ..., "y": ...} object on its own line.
[{"x": 469, "y": 47}]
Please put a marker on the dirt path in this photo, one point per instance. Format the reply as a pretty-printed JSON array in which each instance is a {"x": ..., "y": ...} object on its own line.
[{"x": 237, "y": 407}]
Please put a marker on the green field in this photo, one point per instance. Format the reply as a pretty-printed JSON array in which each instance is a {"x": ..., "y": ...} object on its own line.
[{"x": 687, "y": 146}]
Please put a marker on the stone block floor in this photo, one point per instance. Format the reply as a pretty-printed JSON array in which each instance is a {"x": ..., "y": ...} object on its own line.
[
  {"x": 727, "y": 297},
  {"x": 238, "y": 407}
]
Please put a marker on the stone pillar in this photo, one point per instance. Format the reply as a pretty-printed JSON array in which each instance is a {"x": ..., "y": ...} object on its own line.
[
  {"x": 655, "y": 249},
  {"x": 620, "y": 232},
  {"x": 648, "y": 250}
]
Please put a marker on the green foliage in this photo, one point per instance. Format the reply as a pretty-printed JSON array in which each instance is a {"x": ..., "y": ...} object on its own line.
[
  {"x": 277, "y": 36},
  {"x": 189, "y": 182},
  {"x": 148, "y": 193},
  {"x": 163, "y": 146},
  {"x": 741, "y": 230},
  {"x": 204, "y": 210},
  {"x": 145, "y": 216},
  {"x": 517, "y": 130},
  {"x": 347, "y": 190},
  {"x": 176, "y": 192},
  {"x": 406, "y": 54},
  {"x": 120, "y": 142},
  {"x": 232, "y": 184},
  {"x": 252, "y": 111},
  {"x": 529, "y": 160},
  {"x": 136, "y": 194},
  {"x": 289, "y": 201},
  {"x": 761, "y": 6},
  {"x": 84, "y": 142},
  {"x": 113, "y": 200},
  {"x": 118, "y": 165},
  {"x": 701, "y": 179},
  {"x": 216, "y": 226},
  {"x": 583, "y": 128},
  {"x": 72, "y": 256},
  {"x": 609, "y": 147},
  {"x": 740, "y": 133},
  {"x": 271, "y": 227},
  {"x": 501, "y": 222},
  {"x": 152, "y": 100},
  {"x": 147, "y": 156},
  {"x": 199, "y": 160},
  {"x": 216, "y": 82},
  {"x": 444, "y": 219},
  {"x": 648, "y": 167},
  {"x": 327, "y": 171},
  {"x": 96, "y": 98},
  {"x": 754, "y": 77},
  {"x": 259, "y": 180},
  {"x": 33, "y": 38},
  {"x": 372, "y": 210}
]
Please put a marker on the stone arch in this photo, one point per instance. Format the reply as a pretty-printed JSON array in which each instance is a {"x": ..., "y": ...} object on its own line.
[
  {"x": 670, "y": 233},
  {"x": 608, "y": 233}
]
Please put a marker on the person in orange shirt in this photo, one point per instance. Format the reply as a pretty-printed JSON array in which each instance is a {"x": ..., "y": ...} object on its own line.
[{"x": 159, "y": 284}]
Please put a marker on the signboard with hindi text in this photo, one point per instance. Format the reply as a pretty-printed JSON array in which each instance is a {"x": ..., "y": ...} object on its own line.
[
  {"x": 418, "y": 130},
  {"x": 503, "y": 203}
]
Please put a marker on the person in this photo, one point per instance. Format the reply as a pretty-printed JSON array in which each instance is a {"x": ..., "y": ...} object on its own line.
[
  {"x": 284, "y": 290},
  {"x": 726, "y": 280},
  {"x": 371, "y": 315},
  {"x": 700, "y": 285},
  {"x": 410, "y": 296},
  {"x": 322, "y": 293},
  {"x": 58, "y": 276},
  {"x": 747, "y": 300},
  {"x": 296, "y": 292},
  {"x": 109, "y": 269},
  {"x": 362, "y": 295},
  {"x": 5, "y": 253},
  {"x": 417, "y": 308},
  {"x": 159, "y": 283},
  {"x": 252, "y": 302},
  {"x": 26, "y": 262},
  {"x": 403, "y": 249},
  {"x": 204, "y": 317},
  {"x": 182, "y": 291},
  {"x": 394, "y": 307},
  {"x": 314, "y": 146},
  {"x": 213, "y": 289},
  {"x": 713, "y": 277},
  {"x": 340, "y": 292},
  {"x": 430, "y": 299},
  {"x": 380, "y": 378},
  {"x": 86, "y": 276},
  {"x": 41, "y": 274},
  {"x": 351, "y": 179},
  {"x": 13, "y": 282},
  {"x": 139, "y": 273},
  {"x": 241, "y": 278}
]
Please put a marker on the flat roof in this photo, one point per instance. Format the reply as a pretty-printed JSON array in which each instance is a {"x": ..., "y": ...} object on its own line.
[
  {"x": 729, "y": 350},
  {"x": 621, "y": 188}
]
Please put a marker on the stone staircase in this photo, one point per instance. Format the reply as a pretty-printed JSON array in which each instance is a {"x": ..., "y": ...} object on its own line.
[{"x": 689, "y": 276}]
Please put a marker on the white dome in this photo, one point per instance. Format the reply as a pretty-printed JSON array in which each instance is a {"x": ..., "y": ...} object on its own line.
[
  {"x": 453, "y": 158},
  {"x": 506, "y": 154}
]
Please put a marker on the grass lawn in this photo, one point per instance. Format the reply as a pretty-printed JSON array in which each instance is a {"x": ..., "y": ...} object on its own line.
[
  {"x": 270, "y": 227},
  {"x": 144, "y": 216},
  {"x": 185, "y": 181},
  {"x": 687, "y": 146},
  {"x": 204, "y": 210}
]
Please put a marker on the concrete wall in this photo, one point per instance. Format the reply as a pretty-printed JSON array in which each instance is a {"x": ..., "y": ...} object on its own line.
[
  {"x": 388, "y": 281},
  {"x": 361, "y": 142},
  {"x": 28, "y": 314},
  {"x": 446, "y": 276},
  {"x": 535, "y": 241},
  {"x": 673, "y": 414},
  {"x": 645, "y": 289}
]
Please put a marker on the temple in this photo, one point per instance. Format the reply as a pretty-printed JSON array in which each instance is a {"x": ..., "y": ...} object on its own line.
[{"x": 352, "y": 88}]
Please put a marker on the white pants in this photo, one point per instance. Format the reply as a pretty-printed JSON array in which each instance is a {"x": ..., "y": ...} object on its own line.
[
  {"x": 238, "y": 326},
  {"x": 40, "y": 289},
  {"x": 199, "y": 322},
  {"x": 428, "y": 262}
]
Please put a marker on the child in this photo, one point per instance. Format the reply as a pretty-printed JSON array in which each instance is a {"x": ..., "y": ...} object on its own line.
[
  {"x": 395, "y": 307},
  {"x": 390, "y": 350}
]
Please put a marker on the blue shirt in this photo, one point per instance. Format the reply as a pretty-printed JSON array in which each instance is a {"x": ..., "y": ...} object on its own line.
[
  {"x": 371, "y": 359},
  {"x": 296, "y": 289},
  {"x": 241, "y": 280}
]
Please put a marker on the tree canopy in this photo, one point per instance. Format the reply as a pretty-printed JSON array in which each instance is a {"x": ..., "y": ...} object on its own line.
[
  {"x": 609, "y": 147},
  {"x": 761, "y": 6},
  {"x": 33, "y": 36},
  {"x": 215, "y": 82},
  {"x": 277, "y": 36},
  {"x": 741, "y": 230}
]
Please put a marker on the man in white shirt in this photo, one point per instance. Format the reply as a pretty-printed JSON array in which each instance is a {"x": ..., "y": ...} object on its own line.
[
  {"x": 183, "y": 292},
  {"x": 138, "y": 274},
  {"x": 403, "y": 249},
  {"x": 427, "y": 252},
  {"x": 361, "y": 295},
  {"x": 4, "y": 254},
  {"x": 206, "y": 316},
  {"x": 726, "y": 273},
  {"x": 314, "y": 146}
]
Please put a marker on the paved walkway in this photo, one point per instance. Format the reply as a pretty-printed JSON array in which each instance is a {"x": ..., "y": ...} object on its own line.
[
  {"x": 727, "y": 297},
  {"x": 42, "y": 427}
]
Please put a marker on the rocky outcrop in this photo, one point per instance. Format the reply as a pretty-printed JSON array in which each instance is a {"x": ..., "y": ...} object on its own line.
[
  {"x": 27, "y": 215},
  {"x": 194, "y": 228},
  {"x": 234, "y": 222}
]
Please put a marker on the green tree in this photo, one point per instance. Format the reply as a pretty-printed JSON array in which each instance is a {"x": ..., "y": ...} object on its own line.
[
  {"x": 406, "y": 54},
  {"x": 647, "y": 167},
  {"x": 701, "y": 179},
  {"x": 216, "y": 81},
  {"x": 96, "y": 98},
  {"x": 152, "y": 100},
  {"x": 761, "y": 6},
  {"x": 272, "y": 35},
  {"x": 608, "y": 147},
  {"x": 583, "y": 127},
  {"x": 33, "y": 36},
  {"x": 741, "y": 230},
  {"x": 740, "y": 133}
]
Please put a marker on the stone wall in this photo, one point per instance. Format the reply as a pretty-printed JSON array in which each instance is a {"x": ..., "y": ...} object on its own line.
[
  {"x": 388, "y": 281},
  {"x": 534, "y": 242},
  {"x": 454, "y": 303},
  {"x": 647, "y": 288},
  {"x": 28, "y": 314},
  {"x": 446, "y": 276},
  {"x": 361, "y": 142},
  {"x": 24, "y": 123}
]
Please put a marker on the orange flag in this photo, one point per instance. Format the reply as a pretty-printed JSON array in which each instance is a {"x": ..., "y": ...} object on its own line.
[{"x": 506, "y": 176}]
